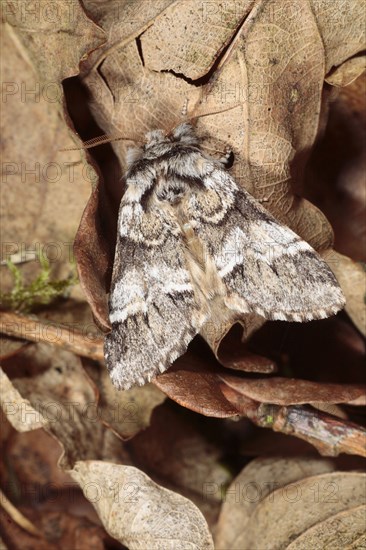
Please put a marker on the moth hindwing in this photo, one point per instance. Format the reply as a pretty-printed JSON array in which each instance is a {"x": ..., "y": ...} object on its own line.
[{"x": 192, "y": 245}]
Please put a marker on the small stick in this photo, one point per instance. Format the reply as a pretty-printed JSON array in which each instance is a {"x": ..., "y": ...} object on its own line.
[
  {"x": 328, "y": 434},
  {"x": 17, "y": 516},
  {"x": 34, "y": 329}
]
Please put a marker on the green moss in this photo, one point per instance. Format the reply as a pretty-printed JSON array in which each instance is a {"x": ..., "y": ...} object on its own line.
[
  {"x": 41, "y": 291},
  {"x": 269, "y": 419}
]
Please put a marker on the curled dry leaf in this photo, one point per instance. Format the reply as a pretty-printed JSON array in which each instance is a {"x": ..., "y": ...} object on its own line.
[
  {"x": 343, "y": 530},
  {"x": 255, "y": 482},
  {"x": 138, "y": 512},
  {"x": 352, "y": 277},
  {"x": 193, "y": 382},
  {"x": 291, "y": 391},
  {"x": 234, "y": 95},
  {"x": 19, "y": 411},
  {"x": 316, "y": 498},
  {"x": 274, "y": 501},
  {"x": 233, "y": 354},
  {"x": 343, "y": 35}
]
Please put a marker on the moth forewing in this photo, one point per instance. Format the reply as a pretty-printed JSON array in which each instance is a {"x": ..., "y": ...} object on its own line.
[{"x": 193, "y": 245}]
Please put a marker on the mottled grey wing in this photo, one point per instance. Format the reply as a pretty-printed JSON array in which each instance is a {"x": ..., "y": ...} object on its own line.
[
  {"x": 153, "y": 311},
  {"x": 265, "y": 266}
]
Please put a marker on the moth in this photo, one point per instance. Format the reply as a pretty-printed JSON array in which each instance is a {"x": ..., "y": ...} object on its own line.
[{"x": 193, "y": 245}]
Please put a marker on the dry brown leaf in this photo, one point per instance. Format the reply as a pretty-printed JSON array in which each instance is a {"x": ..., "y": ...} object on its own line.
[
  {"x": 257, "y": 480},
  {"x": 233, "y": 354},
  {"x": 352, "y": 278},
  {"x": 289, "y": 511},
  {"x": 194, "y": 57},
  {"x": 138, "y": 512},
  {"x": 193, "y": 383},
  {"x": 347, "y": 73},
  {"x": 53, "y": 39},
  {"x": 19, "y": 411},
  {"x": 340, "y": 531},
  {"x": 292, "y": 391},
  {"x": 274, "y": 501},
  {"x": 342, "y": 31}
]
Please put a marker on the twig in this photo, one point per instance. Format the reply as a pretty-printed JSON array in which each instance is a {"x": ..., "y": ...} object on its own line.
[
  {"x": 31, "y": 328},
  {"x": 330, "y": 435},
  {"x": 17, "y": 516}
]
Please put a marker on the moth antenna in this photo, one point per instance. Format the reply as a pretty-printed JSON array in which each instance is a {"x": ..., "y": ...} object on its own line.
[
  {"x": 204, "y": 113},
  {"x": 192, "y": 120},
  {"x": 100, "y": 140},
  {"x": 195, "y": 117}
]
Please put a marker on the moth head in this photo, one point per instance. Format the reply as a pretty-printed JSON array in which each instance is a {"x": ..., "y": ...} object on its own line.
[
  {"x": 154, "y": 137},
  {"x": 185, "y": 133}
]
